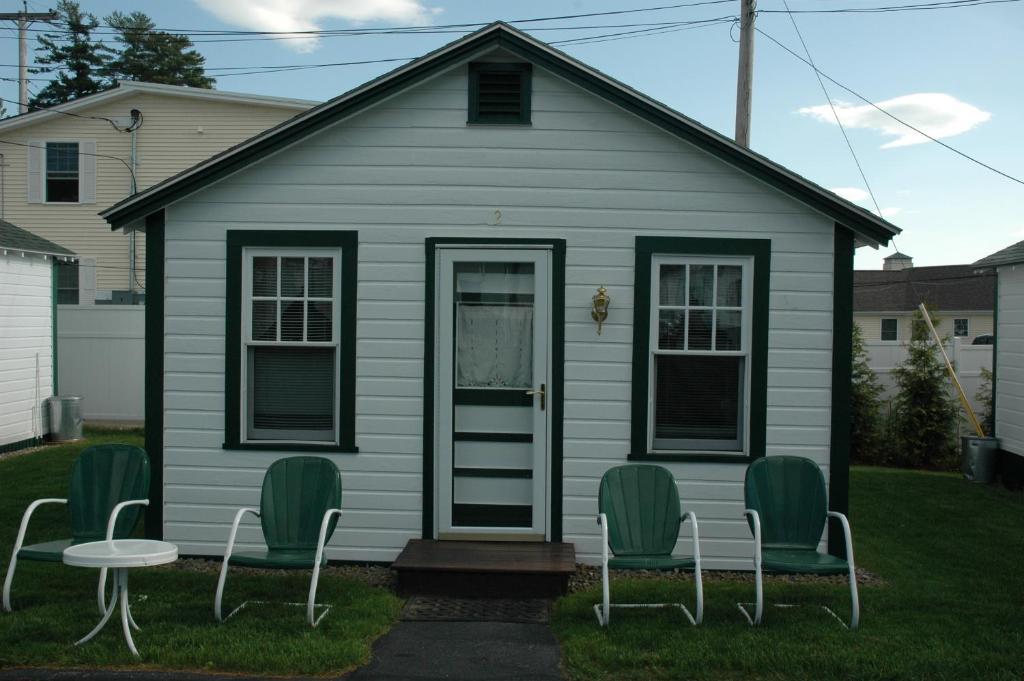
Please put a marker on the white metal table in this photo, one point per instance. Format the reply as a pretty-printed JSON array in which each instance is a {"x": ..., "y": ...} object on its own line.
[{"x": 119, "y": 555}]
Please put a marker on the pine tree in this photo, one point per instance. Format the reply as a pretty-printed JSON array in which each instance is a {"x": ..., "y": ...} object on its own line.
[
  {"x": 73, "y": 55},
  {"x": 926, "y": 416},
  {"x": 148, "y": 55},
  {"x": 865, "y": 421}
]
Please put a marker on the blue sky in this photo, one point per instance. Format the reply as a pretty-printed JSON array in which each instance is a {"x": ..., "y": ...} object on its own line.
[{"x": 951, "y": 210}]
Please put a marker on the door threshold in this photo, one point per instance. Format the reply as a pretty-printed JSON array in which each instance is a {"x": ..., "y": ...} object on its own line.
[{"x": 490, "y": 536}]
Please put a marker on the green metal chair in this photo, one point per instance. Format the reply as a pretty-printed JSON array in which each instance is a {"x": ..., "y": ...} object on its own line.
[
  {"x": 640, "y": 517},
  {"x": 105, "y": 481},
  {"x": 299, "y": 508},
  {"x": 787, "y": 509}
]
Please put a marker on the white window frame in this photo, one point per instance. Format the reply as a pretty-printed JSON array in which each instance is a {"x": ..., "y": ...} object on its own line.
[
  {"x": 698, "y": 446},
  {"x": 248, "y": 254},
  {"x": 881, "y": 329},
  {"x": 967, "y": 329}
]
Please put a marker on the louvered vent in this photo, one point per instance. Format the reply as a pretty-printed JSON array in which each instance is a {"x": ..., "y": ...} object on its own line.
[{"x": 499, "y": 93}]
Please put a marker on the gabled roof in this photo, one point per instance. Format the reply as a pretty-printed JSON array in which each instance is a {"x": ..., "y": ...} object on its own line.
[
  {"x": 15, "y": 238},
  {"x": 1010, "y": 255},
  {"x": 127, "y": 87},
  {"x": 869, "y": 227},
  {"x": 947, "y": 287}
]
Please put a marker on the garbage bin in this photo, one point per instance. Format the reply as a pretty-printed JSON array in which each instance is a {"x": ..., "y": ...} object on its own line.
[
  {"x": 978, "y": 458},
  {"x": 65, "y": 418}
]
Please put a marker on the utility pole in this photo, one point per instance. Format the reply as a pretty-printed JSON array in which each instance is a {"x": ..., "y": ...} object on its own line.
[
  {"x": 745, "y": 77},
  {"x": 23, "y": 18}
]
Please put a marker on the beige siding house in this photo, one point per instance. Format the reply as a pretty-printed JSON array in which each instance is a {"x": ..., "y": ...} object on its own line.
[{"x": 64, "y": 165}]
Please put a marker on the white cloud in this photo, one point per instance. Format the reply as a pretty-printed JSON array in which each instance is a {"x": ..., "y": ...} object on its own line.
[
  {"x": 891, "y": 212},
  {"x": 855, "y": 194},
  {"x": 938, "y": 114},
  {"x": 306, "y": 15}
]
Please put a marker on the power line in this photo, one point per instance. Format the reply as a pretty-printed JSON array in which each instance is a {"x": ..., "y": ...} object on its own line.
[
  {"x": 53, "y": 109},
  {"x": 835, "y": 113},
  {"x": 890, "y": 115},
  {"x": 920, "y": 7},
  {"x": 81, "y": 153}
]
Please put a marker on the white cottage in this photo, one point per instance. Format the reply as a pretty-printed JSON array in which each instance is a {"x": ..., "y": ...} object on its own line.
[
  {"x": 403, "y": 278},
  {"x": 1008, "y": 361},
  {"x": 28, "y": 333}
]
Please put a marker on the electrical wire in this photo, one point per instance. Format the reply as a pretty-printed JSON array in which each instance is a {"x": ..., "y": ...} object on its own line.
[
  {"x": 890, "y": 115},
  {"x": 920, "y": 7},
  {"x": 839, "y": 122},
  {"x": 81, "y": 153},
  {"x": 53, "y": 109}
]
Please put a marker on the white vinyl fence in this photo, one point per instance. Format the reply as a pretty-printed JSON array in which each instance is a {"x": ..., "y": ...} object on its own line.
[
  {"x": 968, "y": 360},
  {"x": 101, "y": 357}
]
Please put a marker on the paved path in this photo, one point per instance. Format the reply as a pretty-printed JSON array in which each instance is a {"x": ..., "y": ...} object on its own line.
[{"x": 463, "y": 651}]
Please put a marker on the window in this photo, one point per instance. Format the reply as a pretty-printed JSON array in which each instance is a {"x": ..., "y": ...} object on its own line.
[
  {"x": 499, "y": 93},
  {"x": 62, "y": 172},
  {"x": 700, "y": 348},
  {"x": 67, "y": 283},
  {"x": 291, "y": 359},
  {"x": 961, "y": 328},
  {"x": 890, "y": 330}
]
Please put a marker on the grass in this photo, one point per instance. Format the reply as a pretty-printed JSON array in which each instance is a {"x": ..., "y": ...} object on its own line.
[
  {"x": 55, "y": 605},
  {"x": 951, "y": 605}
]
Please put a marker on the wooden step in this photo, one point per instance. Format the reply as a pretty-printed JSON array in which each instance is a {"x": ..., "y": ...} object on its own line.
[{"x": 485, "y": 568}]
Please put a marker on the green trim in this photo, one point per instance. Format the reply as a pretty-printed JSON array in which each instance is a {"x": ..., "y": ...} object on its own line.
[
  {"x": 523, "y": 473},
  {"x": 53, "y": 325},
  {"x": 646, "y": 248},
  {"x": 21, "y": 444},
  {"x": 842, "y": 376},
  {"x": 493, "y": 398},
  {"x": 348, "y": 242},
  {"x": 154, "y": 372},
  {"x": 492, "y": 437},
  {"x": 491, "y": 515},
  {"x": 509, "y": 39},
  {"x": 525, "y": 71},
  {"x": 556, "y": 398}
]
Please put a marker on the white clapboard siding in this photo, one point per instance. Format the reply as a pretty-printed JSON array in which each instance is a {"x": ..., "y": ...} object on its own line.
[
  {"x": 411, "y": 169},
  {"x": 26, "y": 334},
  {"x": 1009, "y": 387}
]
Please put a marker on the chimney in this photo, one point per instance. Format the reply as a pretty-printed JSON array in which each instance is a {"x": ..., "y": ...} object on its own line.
[{"x": 897, "y": 261}]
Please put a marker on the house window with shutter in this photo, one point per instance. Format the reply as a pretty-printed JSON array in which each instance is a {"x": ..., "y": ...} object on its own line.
[
  {"x": 61, "y": 171},
  {"x": 499, "y": 93}
]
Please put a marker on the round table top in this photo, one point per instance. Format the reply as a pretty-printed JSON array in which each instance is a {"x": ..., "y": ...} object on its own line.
[{"x": 121, "y": 553}]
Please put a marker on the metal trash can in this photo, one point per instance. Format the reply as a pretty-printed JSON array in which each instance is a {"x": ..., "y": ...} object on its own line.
[
  {"x": 65, "y": 418},
  {"x": 978, "y": 461}
]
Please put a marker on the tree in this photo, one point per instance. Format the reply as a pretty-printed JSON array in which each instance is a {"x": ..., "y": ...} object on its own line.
[
  {"x": 148, "y": 55},
  {"x": 926, "y": 416},
  {"x": 72, "y": 53},
  {"x": 983, "y": 397},
  {"x": 865, "y": 420}
]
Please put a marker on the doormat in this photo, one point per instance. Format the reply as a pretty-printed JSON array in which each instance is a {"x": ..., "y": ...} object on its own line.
[{"x": 442, "y": 609}]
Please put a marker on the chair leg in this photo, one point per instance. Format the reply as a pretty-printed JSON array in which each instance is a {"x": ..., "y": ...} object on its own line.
[
  {"x": 759, "y": 591},
  {"x": 311, "y": 602},
  {"x": 10, "y": 580},
  {"x": 220, "y": 590}
]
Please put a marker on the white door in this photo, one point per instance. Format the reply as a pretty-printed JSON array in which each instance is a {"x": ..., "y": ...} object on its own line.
[{"x": 493, "y": 362}]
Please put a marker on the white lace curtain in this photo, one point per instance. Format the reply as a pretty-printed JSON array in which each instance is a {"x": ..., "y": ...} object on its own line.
[{"x": 494, "y": 347}]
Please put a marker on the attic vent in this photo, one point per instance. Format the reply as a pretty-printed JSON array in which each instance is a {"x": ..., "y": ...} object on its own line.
[{"x": 499, "y": 93}]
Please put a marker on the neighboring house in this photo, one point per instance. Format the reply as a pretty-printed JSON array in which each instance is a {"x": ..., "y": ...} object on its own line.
[
  {"x": 28, "y": 371},
  {"x": 1008, "y": 389},
  {"x": 401, "y": 280},
  {"x": 960, "y": 296},
  {"x": 63, "y": 165}
]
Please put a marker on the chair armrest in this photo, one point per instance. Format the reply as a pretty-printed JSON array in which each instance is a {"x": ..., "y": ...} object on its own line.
[
  {"x": 602, "y": 521},
  {"x": 234, "y": 529},
  {"x": 847, "y": 535},
  {"x": 755, "y": 520},
  {"x": 696, "y": 535},
  {"x": 323, "y": 532},
  {"x": 117, "y": 511},
  {"x": 28, "y": 514}
]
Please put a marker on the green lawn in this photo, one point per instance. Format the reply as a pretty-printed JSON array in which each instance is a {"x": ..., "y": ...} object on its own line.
[
  {"x": 951, "y": 556},
  {"x": 54, "y": 605}
]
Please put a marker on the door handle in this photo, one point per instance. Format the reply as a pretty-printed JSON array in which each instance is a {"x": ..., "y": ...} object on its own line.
[{"x": 539, "y": 391}]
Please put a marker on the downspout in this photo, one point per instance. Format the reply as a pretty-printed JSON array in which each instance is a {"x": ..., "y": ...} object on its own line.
[
  {"x": 134, "y": 188},
  {"x": 3, "y": 166}
]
